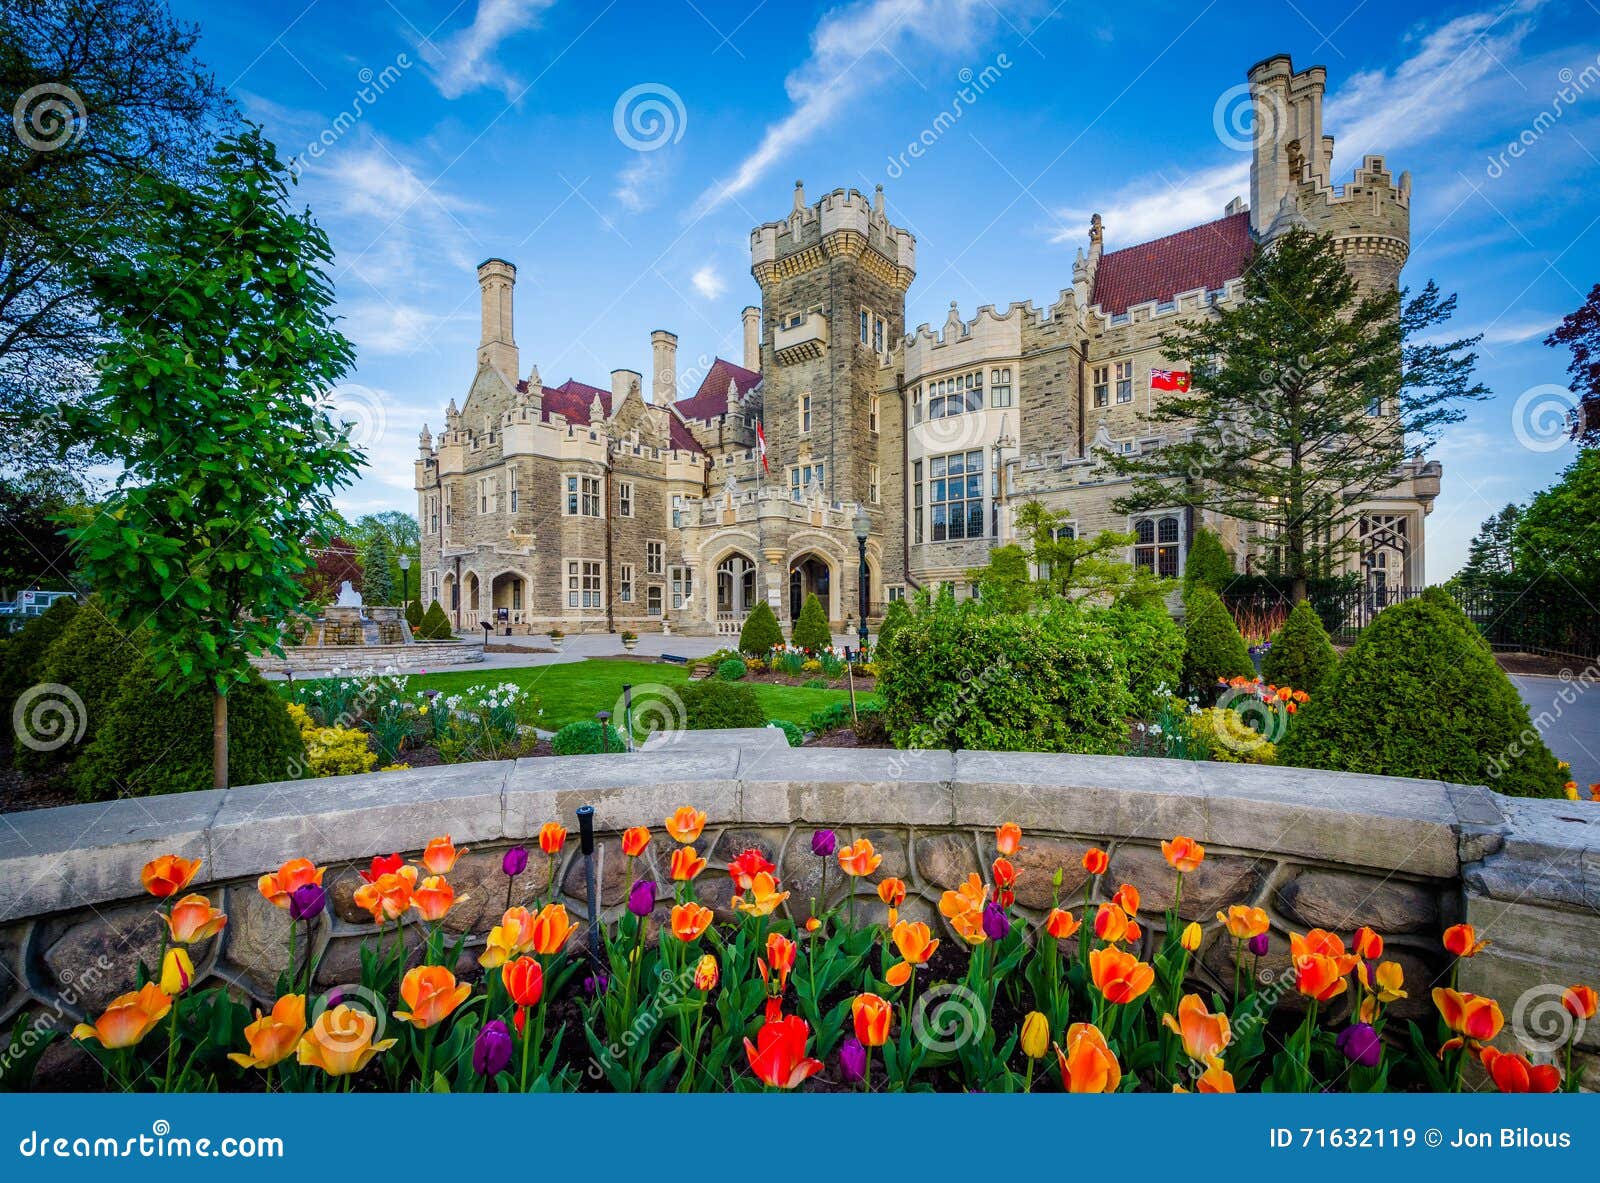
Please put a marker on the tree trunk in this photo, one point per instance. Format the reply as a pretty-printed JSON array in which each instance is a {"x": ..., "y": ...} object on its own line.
[{"x": 219, "y": 741}]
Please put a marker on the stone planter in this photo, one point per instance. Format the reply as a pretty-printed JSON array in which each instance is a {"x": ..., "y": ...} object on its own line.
[
  {"x": 555, "y": 642},
  {"x": 628, "y": 643}
]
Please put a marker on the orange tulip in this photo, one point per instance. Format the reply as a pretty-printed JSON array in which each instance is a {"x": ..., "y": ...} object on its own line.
[
  {"x": 779, "y": 959},
  {"x": 168, "y": 875},
  {"x": 513, "y": 935},
  {"x": 1367, "y": 944},
  {"x": 1471, "y": 1016},
  {"x": 433, "y": 899},
  {"x": 1580, "y": 1001},
  {"x": 686, "y": 823},
  {"x": 969, "y": 926},
  {"x": 859, "y": 858},
  {"x": 273, "y": 1037},
  {"x": 277, "y": 887},
  {"x": 194, "y": 919},
  {"x": 898, "y": 974},
  {"x": 551, "y": 929},
  {"x": 1204, "y": 1034},
  {"x": 686, "y": 864},
  {"x": 1319, "y": 942},
  {"x": 340, "y": 1041},
  {"x": 524, "y": 980},
  {"x": 431, "y": 993},
  {"x": 1004, "y": 873},
  {"x": 1118, "y": 975},
  {"x": 912, "y": 940},
  {"x": 1462, "y": 940},
  {"x": 765, "y": 896},
  {"x": 1087, "y": 1066},
  {"x": 1514, "y": 1074},
  {"x": 778, "y": 1057},
  {"x": 812, "y": 924},
  {"x": 441, "y": 855},
  {"x": 128, "y": 1018},
  {"x": 1320, "y": 977},
  {"x": 1183, "y": 854},
  {"x": 1008, "y": 839},
  {"x": 706, "y": 972},
  {"x": 552, "y": 837},
  {"x": 634, "y": 840},
  {"x": 1244, "y": 922},
  {"x": 690, "y": 920},
  {"x": 1215, "y": 1079},
  {"x": 1060, "y": 924},
  {"x": 1095, "y": 861},
  {"x": 892, "y": 892},
  {"x": 388, "y": 897},
  {"x": 1110, "y": 923},
  {"x": 1126, "y": 897},
  {"x": 872, "y": 1015},
  {"x": 1133, "y": 932},
  {"x": 744, "y": 869},
  {"x": 969, "y": 897}
]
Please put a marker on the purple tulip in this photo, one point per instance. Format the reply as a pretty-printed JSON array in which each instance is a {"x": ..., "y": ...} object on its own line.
[
  {"x": 996, "y": 924},
  {"x": 642, "y": 899},
  {"x": 492, "y": 1051},
  {"x": 596, "y": 984},
  {"x": 852, "y": 1060},
  {"x": 307, "y": 902},
  {"x": 824, "y": 843},
  {"x": 514, "y": 861},
  {"x": 1360, "y": 1044},
  {"x": 1259, "y": 943}
]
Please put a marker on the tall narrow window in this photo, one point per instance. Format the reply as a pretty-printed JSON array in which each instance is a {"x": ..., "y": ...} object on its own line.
[
  {"x": 625, "y": 583},
  {"x": 955, "y": 495},
  {"x": 511, "y": 489},
  {"x": 1125, "y": 381},
  {"x": 805, "y": 413},
  {"x": 872, "y": 413},
  {"x": 874, "y": 486},
  {"x": 652, "y": 558},
  {"x": 625, "y": 499},
  {"x": 1000, "y": 387},
  {"x": 1102, "y": 386}
]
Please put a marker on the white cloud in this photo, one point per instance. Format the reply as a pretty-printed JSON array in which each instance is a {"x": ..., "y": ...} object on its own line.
[
  {"x": 856, "y": 49},
  {"x": 708, "y": 282},
  {"x": 638, "y": 184},
  {"x": 380, "y": 328},
  {"x": 465, "y": 61}
]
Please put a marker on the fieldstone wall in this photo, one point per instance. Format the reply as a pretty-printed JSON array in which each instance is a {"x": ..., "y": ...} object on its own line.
[
  {"x": 1312, "y": 848},
  {"x": 316, "y": 660}
]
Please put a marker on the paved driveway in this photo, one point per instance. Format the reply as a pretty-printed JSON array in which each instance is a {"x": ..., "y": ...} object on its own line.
[{"x": 1571, "y": 727}]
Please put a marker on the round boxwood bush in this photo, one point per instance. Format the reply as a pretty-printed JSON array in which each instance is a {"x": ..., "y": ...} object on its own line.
[
  {"x": 760, "y": 631},
  {"x": 1152, "y": 648},
  {"x": 811, "y": 631},
  {"x": 1214, "y": 649},
  {"x": 584, "y": 738},
  {"x": 791, "y": 732},
  {"x": 154, "y": 740},
  {"x": 710, "y": 703},
  {"x": 1419, "y": 695},
  {"x": 1301, "y": 655},
  {"x": 731, "y": 670},
  {"x": 91, "y": 656},
  {"x": 960, "y": 676}
]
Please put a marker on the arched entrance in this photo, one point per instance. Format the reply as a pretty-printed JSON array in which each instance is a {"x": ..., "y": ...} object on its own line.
[
  {"x": 736, "y": 585},
  {"x": 470, "y": 600},
  {"x": 509, "y": 594},
  {"x": 809, "y": 574},
  {"x": 451, "y": 602}
]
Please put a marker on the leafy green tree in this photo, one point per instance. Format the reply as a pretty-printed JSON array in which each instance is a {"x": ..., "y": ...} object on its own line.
[
  {"x": 1005, "y": 584},
  {"x": 1579, "y": 331},
  {"x": 377, "y": 581},
  {"x": 1083, "y": 568},
  {"x": 1491, "y": 555},
  {"x": 811, "y": 631},
  {"x": 760, "y": 631},
  {"x": 1301, "y": 655},
  {"x": 1209, "y": 562},
  {"x": 1306, "y": 396},
  {"x": 1557, "y": 535},
  {"x": 221, "y": 343},
  {"x": 1214, "y": 649}
]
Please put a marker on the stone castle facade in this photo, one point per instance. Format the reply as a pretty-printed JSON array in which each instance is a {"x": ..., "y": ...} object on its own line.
[{"x": 590, "y": 508}]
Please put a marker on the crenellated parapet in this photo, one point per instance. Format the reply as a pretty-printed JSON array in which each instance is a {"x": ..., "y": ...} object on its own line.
[{"x": 843, "y": 224}]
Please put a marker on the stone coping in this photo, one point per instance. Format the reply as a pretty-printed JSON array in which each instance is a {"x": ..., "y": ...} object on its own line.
[{"x": 54, "y": 860}]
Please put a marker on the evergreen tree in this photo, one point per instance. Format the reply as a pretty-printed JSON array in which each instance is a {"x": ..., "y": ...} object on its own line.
[
  {"x": 435, "y": 624},
  {"x": 377, "y": 585},
  {"x": 1557, "y": 534},
  {"x": 811, "y": 631},
  {"x": 760, "y": 631},
  {"x": 90, "y": 656},
  {"x": 1209, "y": 563},
  {"x": 22, "y": 658},
  {"x": 1214, "y": 649},
  {"x": 1301, "y": 656},
  {"x": 1491, "y": 555}
]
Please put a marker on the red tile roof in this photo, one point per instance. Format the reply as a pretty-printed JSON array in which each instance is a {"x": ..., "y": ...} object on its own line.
[
  {"x": 711, "y": 399},
  {"x": 1205, "y": 256},
  {"x": 572, "y": 400}
]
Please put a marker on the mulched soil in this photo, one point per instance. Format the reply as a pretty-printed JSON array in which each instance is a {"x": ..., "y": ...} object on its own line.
[
  {"x": 844, "y": 737},
  {"x": 21, "y": 791},
  {"x": 1536, "y": 663}
]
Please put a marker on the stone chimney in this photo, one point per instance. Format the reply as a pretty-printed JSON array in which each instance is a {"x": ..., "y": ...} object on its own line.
[
  {"x": 623, "y": 383},
  {"x": 752, "y": 338},
  {"x": 498, "y": 346},
  {"x": 664, "y": 368}
]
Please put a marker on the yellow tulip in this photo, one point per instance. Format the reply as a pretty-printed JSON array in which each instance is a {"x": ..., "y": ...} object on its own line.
[
  {"x": 1035, "y": 1035},
  {"x": 273, "y": 1037},
  {"x": 340, "y": 1041}
]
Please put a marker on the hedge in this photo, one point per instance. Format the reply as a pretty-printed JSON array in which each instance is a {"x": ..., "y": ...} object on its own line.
[
  {"x": 709, "y": 703},
  {"x": 91, "y": 656},
  {"x": 1301, "y": 654},
  {"x": 1152, "y": 647},
  {"x": 760, "y": 632},
  {"x": 811, "y": 631},
  {"x": 1213, "y": 646}
]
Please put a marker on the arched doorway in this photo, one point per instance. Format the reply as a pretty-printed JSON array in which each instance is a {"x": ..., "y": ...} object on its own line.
[
  {"x": 508, "y": 593},
  {"x": 809, "y": 574},
  {"x": 470, "y": 600},
  {"x": 451, "y": 602},
  {"x": 736, "y": 585}
]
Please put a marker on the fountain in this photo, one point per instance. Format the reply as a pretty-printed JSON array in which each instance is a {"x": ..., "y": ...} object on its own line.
[{"x": 353, "y": 635}]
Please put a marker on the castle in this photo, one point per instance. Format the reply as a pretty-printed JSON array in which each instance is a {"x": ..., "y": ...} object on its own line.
[{"x": 588, "y": 508}]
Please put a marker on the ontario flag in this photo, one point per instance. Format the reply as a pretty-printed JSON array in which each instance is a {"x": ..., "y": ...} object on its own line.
[
  {"x": 1170, "y": 380},
  {"x": 761, "y": 442}
]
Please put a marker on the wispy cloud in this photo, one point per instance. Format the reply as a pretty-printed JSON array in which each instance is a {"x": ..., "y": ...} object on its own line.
[
  {"x": 465, "y": 61},
  {"x": 638, "y": 184},
  {"x": 708, "y": 282},
  {"x": 855, "y": 49}
]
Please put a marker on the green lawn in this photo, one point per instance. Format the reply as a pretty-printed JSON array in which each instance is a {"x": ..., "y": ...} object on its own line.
[{"x": 576, "y": 690}]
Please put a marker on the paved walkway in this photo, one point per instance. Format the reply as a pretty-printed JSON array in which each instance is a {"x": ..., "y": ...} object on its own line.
[
  {"x": 583, "y": 646},
  {"x": 1571, "y": 726}
]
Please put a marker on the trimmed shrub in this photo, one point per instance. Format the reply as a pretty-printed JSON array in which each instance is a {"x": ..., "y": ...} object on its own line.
[
  {"x": 760, "y": 631},
  {"x": 1229, "y": 739},
  {"x": 1213, "y": 647},
  {"x": 792, "y": 733},
  {"x": 1209, "y": 564},
  {"x": 583, "y": 738},
  {"x": 895, "y": 615},
  {"x": 414, "y": 615},
  {"x": 956, "y": 676},
  {"x": 710, "y": 704},
  {"x": 91, "y": 656},
  {"x": 811, "y": 631},
  {"x": 1152, "y": 649},
  {"x": 1420, "y": 695},
  {"x": 435, "y": 625},
  {"x": 22, "y": 659},
  {"x": 731, "y": 670},
  {"x": 1301, "y": 655},
  {"x": 154, "y": 741}
]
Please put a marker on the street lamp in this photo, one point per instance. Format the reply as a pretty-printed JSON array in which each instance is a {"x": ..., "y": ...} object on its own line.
[
  {"x": 405, "y": 565},
  {"x": 863, "y": 526}
]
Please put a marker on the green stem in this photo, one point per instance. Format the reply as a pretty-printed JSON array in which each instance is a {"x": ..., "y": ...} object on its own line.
[
  {"x": 527, "y": 1040},
  {"x": 693, "y": 1054},
  {"x": 866, "y": 1078},
  {"x": 172, "y": 1046},
  {"x": 427, "y": 1057},
  {"x": 1305, "y": 1063}
]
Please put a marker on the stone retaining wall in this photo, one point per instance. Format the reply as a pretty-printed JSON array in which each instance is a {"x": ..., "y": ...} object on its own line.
[
  {"x": 1312, "y": 848},
  {"x": 313, "y": 661}
]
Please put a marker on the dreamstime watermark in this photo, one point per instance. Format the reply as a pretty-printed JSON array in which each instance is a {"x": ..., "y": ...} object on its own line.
[
  {"x": 1239, "y": 113},
  {"x": 49, "y": 116},
  {"x": 49, "y": 716},
  {"x": 653, "y": 709},
  {"x": 374, "y": 84},
  {"x": 1573, "y": 687},
  {"x": 1574, "y": 85},
  {"x": 74, "y": 986},
  {"x": 160, "y": 1142},
  {"x": 931, "y": 734},
  {"x": 649, "y": 116},
  {"x": 355, "y": 413},
  {"x": 974, "y": 84},
  {"x": 1541, "y": 1021},
  {"x": 1547, "y": 417},
  {"x": 948, "y": 1017},
  {"x": 1251, "y": 719},
  {"x": 674, "y": 988}
]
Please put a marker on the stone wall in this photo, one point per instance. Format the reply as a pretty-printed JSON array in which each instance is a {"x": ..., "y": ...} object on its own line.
[
  {"x": 315, "y": 660},
  {"x": 1312, "y": 848}
]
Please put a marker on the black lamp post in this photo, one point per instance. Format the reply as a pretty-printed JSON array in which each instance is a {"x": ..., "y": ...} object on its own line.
[
  {"x": 863, "y": 526},
  {"x": 405, "y": 565}
]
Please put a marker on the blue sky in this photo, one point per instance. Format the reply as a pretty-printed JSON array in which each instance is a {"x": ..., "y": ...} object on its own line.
[{"x": 492, "y": 127}]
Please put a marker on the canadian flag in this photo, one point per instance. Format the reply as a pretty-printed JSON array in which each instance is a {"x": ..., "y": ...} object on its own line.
[
  {"x": 761, "y": 442},
  {"x": 1169, "y": 380}
]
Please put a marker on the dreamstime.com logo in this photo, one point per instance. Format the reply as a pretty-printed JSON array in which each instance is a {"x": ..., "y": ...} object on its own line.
[
  {"x": 947, "y": 1018},
  {"x": 1546, "y": 417},
  {"x": 49, "y": 116},
  {"x": 1238, "y": 115},
  {"x": 1541, "y": 1021},
  {"x": 1249, "y": 720},
  {"x": 160, "y": 1142},
  {"x": 649, "y": 116},
  {"x": 49, "y": 716},
  {"x": 356, "y": 413},
  {"x": 655, "y": 710}
]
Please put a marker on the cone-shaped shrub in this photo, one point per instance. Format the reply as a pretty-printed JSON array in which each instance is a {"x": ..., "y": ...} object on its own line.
[
  {"x": 1301, "y": 655},
  {"x": 22, "y": 655},
  {"x": 811, "y": 631},
  {"x": 760, "y": 632},
  {"x": 1208, "y": 564},
  {"x": 91, "y": 657},
  {"x": 1213, "y": 646},
  {"x": 435, "y": 624},
  {"x": 414, "y": 615}
]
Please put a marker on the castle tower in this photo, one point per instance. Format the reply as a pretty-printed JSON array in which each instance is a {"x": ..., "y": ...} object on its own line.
[
  {"x": 664, "y": 367},
  {"x": 498, "y": 346}
]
